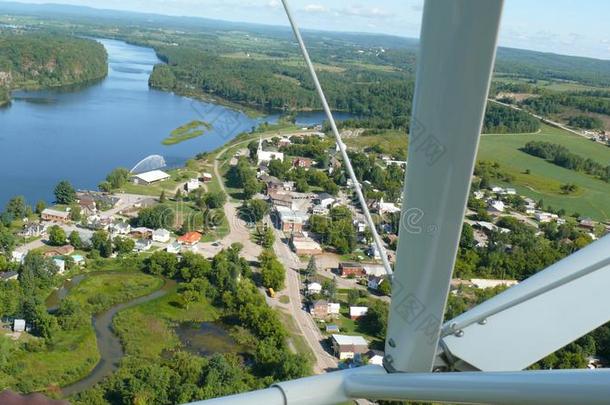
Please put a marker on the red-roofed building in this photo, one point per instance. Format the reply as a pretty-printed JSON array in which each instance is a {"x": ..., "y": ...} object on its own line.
[{"x": 190, "y": 238}]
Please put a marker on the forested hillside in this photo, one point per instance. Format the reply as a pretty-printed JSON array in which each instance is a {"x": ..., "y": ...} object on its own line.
[
  {"x": 42, "y": 61},
  {"x": 381, "y": 98}
]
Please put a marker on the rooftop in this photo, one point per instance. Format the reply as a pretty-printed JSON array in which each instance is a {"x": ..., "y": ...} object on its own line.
[
  {"x": 349, "y": 340},
  {"x": 153, "y": 176}
]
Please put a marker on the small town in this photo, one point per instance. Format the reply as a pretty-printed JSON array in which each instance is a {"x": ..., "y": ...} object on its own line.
[{"x": 270, "y": 194}]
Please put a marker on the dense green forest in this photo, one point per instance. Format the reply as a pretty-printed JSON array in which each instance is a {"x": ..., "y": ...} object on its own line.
[
  {"x": 42, "y": 60},
  {"x": 561, "y": 156},
  {"x": 381, "y": 99}
]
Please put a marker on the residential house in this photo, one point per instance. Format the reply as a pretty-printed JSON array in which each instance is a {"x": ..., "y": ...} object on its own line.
[
  {"x": 314, "y": 288},
  {"x": 141, "y": 233},
  {"x": 191, "y": 185},
  {"x": 174, "y": 248},
  {"x": 374, "y": 252},
  {"x": 18, "y": 257},
  {"x": 346, "y": 347},
  {"x": 387, "y": 208},
  {"x": 120, "y": 228},
  {"x": 19, "y": 325},
  {"x": 302, "y": 162},
  {"x": 206, "y": 177},
  {"x": 351, "y": 269},
  {"x": 319, "y": 309},
  {"x": 52, "y": 215},
  {"x": 496, "y": 206},
  {"x": 587, "y": 223},
  {"x": 284, "y": 142},
  {"x": 78, "y": 260},
  {"x": 334, "y": 308},
  {"x": 543, "y": 217},
  {"x": 33, "y": 230},
  {"x": 375, "y": 357},
  {"x": 356, "y": 313},
  {"x": 325, "y": 200},
  {"x": 190, "y": 239},
  {"x": 334, "y": 165},
  {"x": 143, "y": 245},
  {"x": 161, "y": 235},
  {"x": 275, "y": 185},
  {"x": 61, "y": 265},
  {"x": 377, "y": 270},
  {"x": 374, "y": 282},
  {"x": 319, "y": 210}
]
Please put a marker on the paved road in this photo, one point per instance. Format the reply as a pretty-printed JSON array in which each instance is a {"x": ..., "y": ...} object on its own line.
[{"x": 309, "y": 329}]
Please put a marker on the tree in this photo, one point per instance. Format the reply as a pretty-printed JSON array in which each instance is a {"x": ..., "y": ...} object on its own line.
[
  {"x": 265, "y": 237},
  {"x": 7, "y": 241},
  {"x": 312, "y": 268},
  {"x": 65, "y": 193},
  {"x": 162, "y": 197},
  {"x": 215, "y": 199},
  {"x": 385, "y": 288},
  {"x": 75, "y": 240},
  {"x": 188, "y": 297},
  {"x": 159, "y": 216},
  {"x": 102, "y": 242},
  {"x": 178, "y": 196},
  {"x": 376, "y": 319},
  {"x": 118, "y": 177},
  {"x": 16, "y": 207},
  {"x": 123, "y": 245},
  {"x": 329, "y": 288},
  {"x": 352, "y": 297},
  {"x": 162, "y": 263},
  {"x": 254, "y": 210},
  {"x": 75, "y": 213},
  {"x": 272, "y": 271},
  {"x": 57, "y": 236},
  {"x": 40, "y": 206}
]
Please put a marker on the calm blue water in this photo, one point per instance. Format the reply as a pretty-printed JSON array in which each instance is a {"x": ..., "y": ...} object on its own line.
[{"x": 83, "y": 134}]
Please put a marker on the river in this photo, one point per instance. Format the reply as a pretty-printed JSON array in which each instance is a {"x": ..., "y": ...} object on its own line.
[{"x": 81, "y": 134}]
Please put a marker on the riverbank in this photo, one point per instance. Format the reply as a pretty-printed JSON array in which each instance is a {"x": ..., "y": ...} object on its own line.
[{"x": 72, "y": 353}]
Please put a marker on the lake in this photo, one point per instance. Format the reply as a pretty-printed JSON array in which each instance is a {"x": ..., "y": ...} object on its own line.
[{"x": 82, "y": 134}]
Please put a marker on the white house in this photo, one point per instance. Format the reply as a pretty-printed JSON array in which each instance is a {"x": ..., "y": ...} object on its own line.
[
  {"x": 120, "y": 228},
  {"x": 325, "y": 200},
  {"x": 314, "y": 288},
  {"x": 357, "y": 312},
  {"x": 174, "y": 248},
  {"x": 143, "y": 245},
  {"x": 265, "y": 156},
  {"x": 18, "y": 257},
  {"x": 206, "y": 176},
  {"x": 19, "y": 325},
  {"x": 192, "y": 184},
  {"x": 334, "y": 308},
  {"x": 496, "y": 206},
  {"x": 373, "y": 251},
  {"x": 61, "y": 265},
  {"x": 161, "y": 235},
  {"x": 384, "y": 207}
]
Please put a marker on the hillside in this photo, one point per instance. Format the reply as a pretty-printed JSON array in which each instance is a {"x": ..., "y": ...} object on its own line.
[{"x": 34, "y": 61}]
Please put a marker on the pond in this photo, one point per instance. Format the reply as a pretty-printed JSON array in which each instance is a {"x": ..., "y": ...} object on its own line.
[{"x": 206, "y": 338}]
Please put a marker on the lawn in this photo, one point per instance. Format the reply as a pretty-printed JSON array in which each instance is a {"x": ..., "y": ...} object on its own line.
[
  {"x": 178, "y": 177},
  {"x": 73, "y": 354},
  {"x": 545, "y": 179},
  {"x": 147, "y": 330},
  {"x": 393, "y": 143}
]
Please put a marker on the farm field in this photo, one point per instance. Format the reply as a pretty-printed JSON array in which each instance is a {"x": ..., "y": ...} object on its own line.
[{"x": 544, "y": 181}]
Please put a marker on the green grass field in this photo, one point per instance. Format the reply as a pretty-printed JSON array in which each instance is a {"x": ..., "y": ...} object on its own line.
[{"x": 593, "y": 197}]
